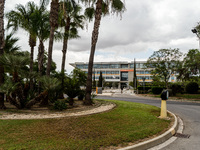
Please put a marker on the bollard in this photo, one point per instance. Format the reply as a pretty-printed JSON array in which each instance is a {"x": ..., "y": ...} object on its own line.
[{"x": 164, "y": 97}]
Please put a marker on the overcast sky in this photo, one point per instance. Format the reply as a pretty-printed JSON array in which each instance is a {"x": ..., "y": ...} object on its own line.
[{"x": 146, "y": 26}]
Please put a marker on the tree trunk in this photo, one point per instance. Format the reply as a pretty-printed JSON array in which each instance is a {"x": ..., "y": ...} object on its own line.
[
  {"x": 40, "y": 61},
  {"x": 95, "y": 33},
  {"x": 40, "y": 97},
  {"x": 2, "y": 4},
  {"x": 32, "y": 43},
  {"x": 65, "y": 44},
  {"x": 50, "y": 51},
  {"x": 54, "y": 23}
]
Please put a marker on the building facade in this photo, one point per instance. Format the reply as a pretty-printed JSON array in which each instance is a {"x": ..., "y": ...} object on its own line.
[{"x": 119, "y": 72}]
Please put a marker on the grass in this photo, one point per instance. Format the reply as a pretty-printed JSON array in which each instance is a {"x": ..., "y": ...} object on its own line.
[{"x": 128, "y": 122}]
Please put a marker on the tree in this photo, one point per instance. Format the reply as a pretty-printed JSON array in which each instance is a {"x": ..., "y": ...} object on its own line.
[
  {"x": 42, "y": 24},
  {"x": 49, "y": 86},
  {"x": 196, "y": 30},
  {"x": 98, "y": 7},
  {"x": 164, "y": 63},
  {"x": 23, "y": 17},
  {"x": 10, "y": 44},
  {"x": 189, "y": 68},
  {"x": 54, "y": 24},
  {"x": 71, "y": 20},
  {"x": 134, "y": 76},
  {"x": 100, "y": 80},
  {"x": 73, "y": 84},
  {"x": 16, "y": 67},
  {"x": 2, "y": 5}
]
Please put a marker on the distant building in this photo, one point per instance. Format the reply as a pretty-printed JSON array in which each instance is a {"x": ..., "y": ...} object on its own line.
[{"x": 119, "y": 72}]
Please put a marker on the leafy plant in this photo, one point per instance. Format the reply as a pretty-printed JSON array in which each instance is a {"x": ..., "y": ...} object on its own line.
[
  {"x": 192, "y": 88},
  {"x": 60, "y": 105},
  {"x": 157, "y": 90}
]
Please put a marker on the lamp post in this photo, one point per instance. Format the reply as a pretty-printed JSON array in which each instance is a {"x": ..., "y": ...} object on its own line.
[{"x": 195, "y": 32}]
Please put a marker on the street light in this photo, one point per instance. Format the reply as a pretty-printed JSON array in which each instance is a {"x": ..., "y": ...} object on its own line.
[{"x": 195, "y": 32}]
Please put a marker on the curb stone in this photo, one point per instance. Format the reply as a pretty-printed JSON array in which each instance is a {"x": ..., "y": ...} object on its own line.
[{"x": 157, "y": 140}]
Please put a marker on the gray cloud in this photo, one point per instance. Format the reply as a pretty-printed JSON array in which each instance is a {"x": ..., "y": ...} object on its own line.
[{"x": 146, "y": 26}]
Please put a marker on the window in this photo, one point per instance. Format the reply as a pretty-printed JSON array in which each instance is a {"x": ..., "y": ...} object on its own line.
[
  {"x": 105, "y": 66},
  {"x": 108, "y": 72},
  {"x": 124, "y": 65},
  {"x": 97, "y": 66},
  {"x": 124, "y": 76},
  {"x": 114, "y": 66}
]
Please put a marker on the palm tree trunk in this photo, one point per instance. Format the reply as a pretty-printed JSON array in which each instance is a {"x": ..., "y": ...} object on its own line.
[
  {"x": 41, "y": 96},
  {"x": 32, "y": 43},
  {"x": 50, "y": 50},
  {"x": 2, "y": 4},
  {"x": 95, "y": 33},
  {"x": 54, "y": 24},
  {"x": 40, "y": 61},
  {"x": 65, "y": 44}
]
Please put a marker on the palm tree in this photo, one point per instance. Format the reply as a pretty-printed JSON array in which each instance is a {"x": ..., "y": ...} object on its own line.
[
  {"x": 70, "y": 19},
  {"x": 54, "y": 25},
  {"x": 42, "y": 24},
  {"x": 2, "y": 4},
  {"x": 10, "y": 44},
  {"x": 16, "y": 65},
  {"x": 98, "y": 7},
  {"x": 23, "y": 18},
  {"x": 49, "y": 85}
]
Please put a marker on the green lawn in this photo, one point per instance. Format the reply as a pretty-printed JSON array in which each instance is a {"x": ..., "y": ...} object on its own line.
[{"x": 128, "y": 122}]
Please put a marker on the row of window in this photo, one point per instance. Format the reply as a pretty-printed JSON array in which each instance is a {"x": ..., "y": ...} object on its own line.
[
  {"x": 106, "y": 66},
  {"x": 144, "y": 77},
  {"x": 143, "y": 72},
  {"x": 107, "y": 72},
  {"x": 107, "y": 77}
]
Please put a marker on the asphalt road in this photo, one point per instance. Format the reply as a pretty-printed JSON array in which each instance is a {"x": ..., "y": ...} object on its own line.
[{"x": 187, "y": 111}]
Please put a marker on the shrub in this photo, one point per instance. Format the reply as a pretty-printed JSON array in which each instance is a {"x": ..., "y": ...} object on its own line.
[
  {"x": 176, "y": 88},
  {"x": 81, "y": 95},
  {"x": 192, "y": 88},
  {"x": 60, "y": 105},
  {"x": 157, "y": 90}
]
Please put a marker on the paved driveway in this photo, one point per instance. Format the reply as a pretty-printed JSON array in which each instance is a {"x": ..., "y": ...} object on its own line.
[{"x": 187, "y": 111}]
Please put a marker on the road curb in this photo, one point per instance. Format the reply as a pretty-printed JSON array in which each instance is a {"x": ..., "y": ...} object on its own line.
[{"x": 157, "y": 140}]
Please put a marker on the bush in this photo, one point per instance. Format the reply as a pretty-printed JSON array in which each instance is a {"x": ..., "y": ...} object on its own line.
[
  {"x": 176, "y": 88},
  {"x": 60, "y": 105},
  {"x": 192, "y": 88},
  {"x": 157, "y": 90},
  {"x": 81, "y": 95}
]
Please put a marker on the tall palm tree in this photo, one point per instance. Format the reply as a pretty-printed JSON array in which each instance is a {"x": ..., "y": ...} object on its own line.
[
  {"x": 54, "y": 25},
  {"x": 71, "y": 20},
  {"x": 2, "y": 5},
  {"x": 42, "y": 24},
  {"x": 23, "y": 17},
  {"x": 98, "y": 7}
]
